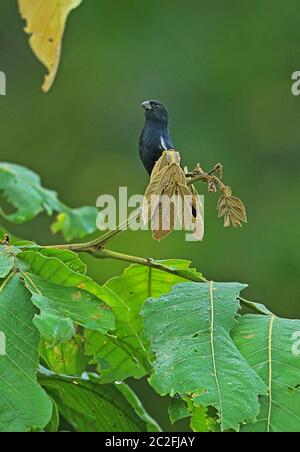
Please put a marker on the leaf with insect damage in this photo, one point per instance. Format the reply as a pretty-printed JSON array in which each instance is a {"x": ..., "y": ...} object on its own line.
[
  {"x": 271, "y": 345},
  {"x": 190, "y": 333}
]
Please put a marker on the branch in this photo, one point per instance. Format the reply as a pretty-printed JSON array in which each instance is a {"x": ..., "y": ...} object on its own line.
[
  {"x": 213, "y": 178},
  {"x": 108, "y": 254},
  {"x": 98, "y": 244},
  {"x": 148, "y": 262}
]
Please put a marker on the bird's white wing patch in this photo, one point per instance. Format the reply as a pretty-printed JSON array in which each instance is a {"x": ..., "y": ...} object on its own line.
[{"x": 162, "y": 142}]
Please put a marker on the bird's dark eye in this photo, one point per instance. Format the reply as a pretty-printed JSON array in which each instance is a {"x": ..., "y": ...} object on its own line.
[{"x": 157, "y": 106}]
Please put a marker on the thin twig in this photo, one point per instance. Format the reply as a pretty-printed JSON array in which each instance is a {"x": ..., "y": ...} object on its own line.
[{"x": 100, "y": 242}]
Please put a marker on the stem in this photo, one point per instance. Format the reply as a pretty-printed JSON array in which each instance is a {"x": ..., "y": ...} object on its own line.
[
  {"x": 206, "y": 177},
  {"x": 199, "y": 175},
  {"x": 100, "y": 242},
  {"x": 101, "y": 253},
  {"x": 108, "y": 254}
]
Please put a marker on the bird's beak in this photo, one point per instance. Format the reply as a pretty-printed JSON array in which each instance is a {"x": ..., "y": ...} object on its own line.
[{"x": 146, "y": 105}]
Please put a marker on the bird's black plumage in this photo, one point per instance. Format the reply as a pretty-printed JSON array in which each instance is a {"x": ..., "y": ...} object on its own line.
[{"x": 155, "y": 137}]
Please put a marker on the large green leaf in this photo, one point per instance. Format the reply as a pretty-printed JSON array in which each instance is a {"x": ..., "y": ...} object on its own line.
[
  {"x": 194, "y": 353},
  {"x": 269, "y": 345},
  {"x": 6, "y": 261},
  {"x": 55, "y": 271},
  {"x": 65, "y": 359},
  {"x": 63, "y": 296},
  {"x": 92, "y": 407},
  {"x": 78, "y": 305},
  {"x": 69, "y": 258},
  {"x": 23, "y": 190},
  {"x": 23, "y": 404},
  {"x": 125, "y": 354}
]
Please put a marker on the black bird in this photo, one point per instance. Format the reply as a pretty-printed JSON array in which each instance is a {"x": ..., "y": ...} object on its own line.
[{"x": 155, "y": 137}]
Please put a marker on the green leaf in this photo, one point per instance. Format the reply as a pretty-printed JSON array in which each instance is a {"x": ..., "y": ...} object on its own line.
[
  {"x": 63, "y": 296},
  {"x": 53, "y": 270},
  {"x": 58, "y": 294},
  {"x": 69, "y": 258},
  {"x": 6, "y": 261},
  {"x": 67, "y": 303},
  {"x": 23, "y": 190},
  {"x": 92, "y": 407},
  {"x": 53, "y": 328},
  {"x": 23, "y": 404},
  {"x": 271, "y": 346},
  {"x": 65, "y": 359},
  {"x": 125, "y": 354},
  {"x": 178, "y": 410},
  {"x": 136, "y": 404},
  {"x": 53, "y": 425},
  {"x": 76, "y": 222},
  {"x": 201, "y": 422},
  {"x": 258, "y": 307},
  {"x": 195, "y": 355}
]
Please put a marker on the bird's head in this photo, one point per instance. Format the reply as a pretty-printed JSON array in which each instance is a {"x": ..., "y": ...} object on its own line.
[{"x": 155, "y": 111}]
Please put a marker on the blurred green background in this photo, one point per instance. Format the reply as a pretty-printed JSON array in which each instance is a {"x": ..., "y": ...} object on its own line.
[{"x": 224, "y": 70}]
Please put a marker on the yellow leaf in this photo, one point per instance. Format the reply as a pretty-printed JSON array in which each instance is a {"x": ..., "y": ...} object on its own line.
[{"x": 46, "y": 20}]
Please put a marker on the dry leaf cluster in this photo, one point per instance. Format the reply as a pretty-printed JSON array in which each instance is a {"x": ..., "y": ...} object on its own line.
[
  {"x": 169, "y": 181},
  {"x": 231, "y": 208},
  {"x": 169, "y": 201}
]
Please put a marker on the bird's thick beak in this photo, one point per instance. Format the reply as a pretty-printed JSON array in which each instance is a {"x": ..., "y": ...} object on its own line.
[{"x": 146, "y": 105}]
